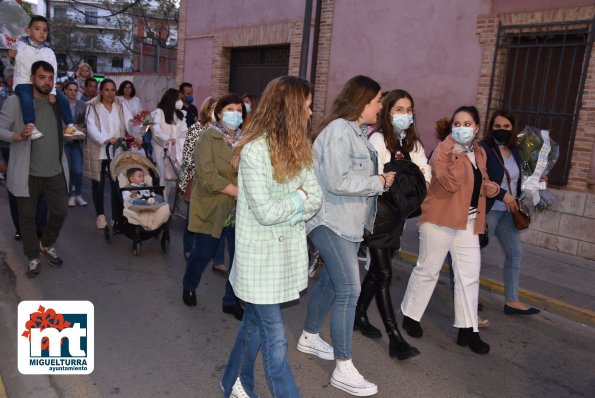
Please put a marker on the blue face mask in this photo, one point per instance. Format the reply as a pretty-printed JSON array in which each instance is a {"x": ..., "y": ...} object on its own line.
[
  {"x": 401, "y": 121},
  {"x": 189, "y": 99},
  {"x": 232, "y": 119},
  {"x": 463, "y": 135}
]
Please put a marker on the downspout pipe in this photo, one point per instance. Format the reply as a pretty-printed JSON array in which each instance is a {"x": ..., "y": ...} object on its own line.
[{"x": 305, "y": 40}]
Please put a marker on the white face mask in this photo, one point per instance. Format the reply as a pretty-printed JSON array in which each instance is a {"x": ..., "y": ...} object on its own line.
[
  {"x": 213, "y": 119},
  {"x": 463, "y": 135},
  {"x": 179, "y": 104}
]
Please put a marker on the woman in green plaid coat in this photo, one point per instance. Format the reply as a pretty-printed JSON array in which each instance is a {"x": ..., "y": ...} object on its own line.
[{"x": 277, "y": 193}]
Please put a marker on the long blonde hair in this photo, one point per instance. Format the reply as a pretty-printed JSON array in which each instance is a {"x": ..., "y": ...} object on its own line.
[{"x": 282, "y": 118}]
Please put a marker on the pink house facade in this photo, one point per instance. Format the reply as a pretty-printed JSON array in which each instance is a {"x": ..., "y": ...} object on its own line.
[{"x": 488, "y": 53}]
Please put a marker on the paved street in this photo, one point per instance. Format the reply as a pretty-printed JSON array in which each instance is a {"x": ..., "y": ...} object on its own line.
[{"x": 149, "y": 344}]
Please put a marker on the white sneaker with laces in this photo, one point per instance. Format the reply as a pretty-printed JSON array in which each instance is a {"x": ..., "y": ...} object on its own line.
[
  {"x": 71, "y": 202},
  {"x": 237, "y": 391},
  {"x": 101, "y": 221},
  {"x": 80, "y": 201},
  {"x": 35, "y": 134},
  {"x": 347, "y": 378},
  {"x": 72, "y": 132},
  {"x": 34, "y": 266},
  {"x": 315, "y": 345}
]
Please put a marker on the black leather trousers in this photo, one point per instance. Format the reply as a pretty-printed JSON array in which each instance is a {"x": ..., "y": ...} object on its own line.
[{"x": 377, "y": 283}]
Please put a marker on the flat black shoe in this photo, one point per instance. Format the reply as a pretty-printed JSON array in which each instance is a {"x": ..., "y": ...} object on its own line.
[
  {"x": 236, "y": 310},
  {"x": 468, "y": 337},
  {"x": 189, "y": 298},
  {"x": 362, "y": 324},
  {"x": 514, "y": 311},
  {"x": 412, "y": 327},
  {"x": 399, "y": 348}
]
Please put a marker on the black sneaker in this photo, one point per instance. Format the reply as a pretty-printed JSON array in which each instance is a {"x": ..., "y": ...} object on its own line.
[
  {"x": 51, "y": 255},
  {"x": 34, "y": 268}
]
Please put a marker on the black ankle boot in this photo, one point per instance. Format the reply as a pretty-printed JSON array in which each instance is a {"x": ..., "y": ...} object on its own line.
[
  {"x": 362, "y": 324},
  {"x": 189, "y": 298},
  {"x": 399, "y": 348},
  {"x": 413, "y": 328},
  {"x": 468, "y": 337}
]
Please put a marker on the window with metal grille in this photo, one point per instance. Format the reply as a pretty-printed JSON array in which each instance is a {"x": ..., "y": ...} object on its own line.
[
  {"x": 539, "y": 72},
  {"x": 90, "y": 17},
  {"x": 252, "y": 68}
]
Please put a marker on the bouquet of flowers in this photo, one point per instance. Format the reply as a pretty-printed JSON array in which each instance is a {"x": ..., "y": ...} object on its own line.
[
  {"x": 140, "y": 124},
  {"x": 539, "y": 155}
]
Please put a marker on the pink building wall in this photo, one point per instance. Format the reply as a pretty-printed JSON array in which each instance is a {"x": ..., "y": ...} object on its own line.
[{"x": 428, "y": 48}]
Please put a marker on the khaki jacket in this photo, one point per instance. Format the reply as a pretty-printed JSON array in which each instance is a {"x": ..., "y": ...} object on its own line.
[
  {"x": 208, "y": 207},
  {"x": 449, "y": 195}
]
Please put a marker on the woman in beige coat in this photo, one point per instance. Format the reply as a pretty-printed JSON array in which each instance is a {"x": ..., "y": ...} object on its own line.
[{"x": 106, "y": 122}]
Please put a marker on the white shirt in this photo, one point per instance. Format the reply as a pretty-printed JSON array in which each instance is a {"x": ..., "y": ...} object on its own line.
[
  {"x": 26, "y": 56},
  {"x": 418, "y": 155},
  {"x": 133, "y": 105},
  {"x": 110, "y": 125}
]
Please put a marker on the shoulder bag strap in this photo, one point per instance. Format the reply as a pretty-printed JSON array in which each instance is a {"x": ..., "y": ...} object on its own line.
[{"x": 504, "y": 167}]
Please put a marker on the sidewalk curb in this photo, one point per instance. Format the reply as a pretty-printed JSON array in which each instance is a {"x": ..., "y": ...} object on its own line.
[{"x": 580, "y": 314}]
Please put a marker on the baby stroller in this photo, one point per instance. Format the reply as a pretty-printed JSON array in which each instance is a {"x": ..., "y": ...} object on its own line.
[{"x": 143, "y": 224}]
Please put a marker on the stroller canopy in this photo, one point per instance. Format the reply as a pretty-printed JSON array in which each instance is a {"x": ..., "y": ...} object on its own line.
[{"x": 129, "y": 159}]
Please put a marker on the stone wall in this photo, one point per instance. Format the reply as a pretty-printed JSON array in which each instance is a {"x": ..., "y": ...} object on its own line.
[
  {"x": 569, "y": 228},
  {"x": 149, "y": 86}
]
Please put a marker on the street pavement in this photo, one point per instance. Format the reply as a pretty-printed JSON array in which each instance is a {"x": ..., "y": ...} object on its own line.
[{"x": 149, "y": 344}]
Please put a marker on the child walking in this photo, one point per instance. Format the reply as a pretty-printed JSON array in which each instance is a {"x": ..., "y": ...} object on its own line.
[{"x": 29, "y": 49}]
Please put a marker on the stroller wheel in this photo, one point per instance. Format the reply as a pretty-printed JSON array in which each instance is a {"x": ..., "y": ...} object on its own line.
[
  {"x": 164, "y": 245},
  {"x": 136, "y": 248}
]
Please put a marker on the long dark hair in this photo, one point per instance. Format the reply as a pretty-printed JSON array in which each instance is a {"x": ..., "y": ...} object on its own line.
[
  {"x": 120, "y": 91},
  {"x": 385, "y": 126},
  {"x": 351, "y": 101},
  {"x": 168, "y": 105},
  {"x": 507, "y": 114}
]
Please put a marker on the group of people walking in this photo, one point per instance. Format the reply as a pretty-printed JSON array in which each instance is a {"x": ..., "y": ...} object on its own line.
[
  {"x": 259, "y": 183},
  {"x": 345, "y": 185}
]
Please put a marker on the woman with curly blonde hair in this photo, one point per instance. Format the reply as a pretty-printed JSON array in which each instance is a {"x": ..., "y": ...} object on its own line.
[{"x": 277, "y": 193}]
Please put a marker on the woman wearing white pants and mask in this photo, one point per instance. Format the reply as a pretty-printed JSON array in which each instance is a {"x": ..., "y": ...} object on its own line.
[{"x": 453, "y": 214}]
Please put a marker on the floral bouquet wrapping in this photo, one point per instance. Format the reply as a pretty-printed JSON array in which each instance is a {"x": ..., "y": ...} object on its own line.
[
  {"x": 539, "y": 155},
  {"x": 140, "y": 123}
]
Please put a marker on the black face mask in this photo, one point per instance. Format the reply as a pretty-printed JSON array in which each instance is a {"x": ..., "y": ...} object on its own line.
[{"x": 501, "y": 136}]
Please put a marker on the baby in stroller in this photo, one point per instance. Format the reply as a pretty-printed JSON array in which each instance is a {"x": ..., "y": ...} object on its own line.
[{"x": 136, "y": 177}]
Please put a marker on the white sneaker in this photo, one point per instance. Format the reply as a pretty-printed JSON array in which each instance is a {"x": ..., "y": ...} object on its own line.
[
  {"x": 70, "y": 131},
  {"x": 33, "y": 268},
  {"x": 71, "y": 202},
  {"x": 347, "y": 378},
  {"x": 315, "y": 345},
  {"x": 80, "y": 201},
  {"x": 101, "y": 221},
  {"x": 35, "y": 134},
  {"x": 237, "y": 391}
]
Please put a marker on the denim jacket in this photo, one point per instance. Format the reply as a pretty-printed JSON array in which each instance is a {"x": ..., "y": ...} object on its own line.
[{"x": 345, "y": 170}]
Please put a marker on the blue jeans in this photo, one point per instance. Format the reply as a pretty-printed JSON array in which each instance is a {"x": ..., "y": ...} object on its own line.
[
  {"x": 262, "y": 326},
  {"x": 220, "y": 253},
  {"x": 500, "y": 224},
  {"x": 188, "y": 237},
  {"x": 25, "y": 94},
  {"x": 74, "y": 155},
  {"x": 203, "y": 251},
  {"x": 339, "y": 283}
]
